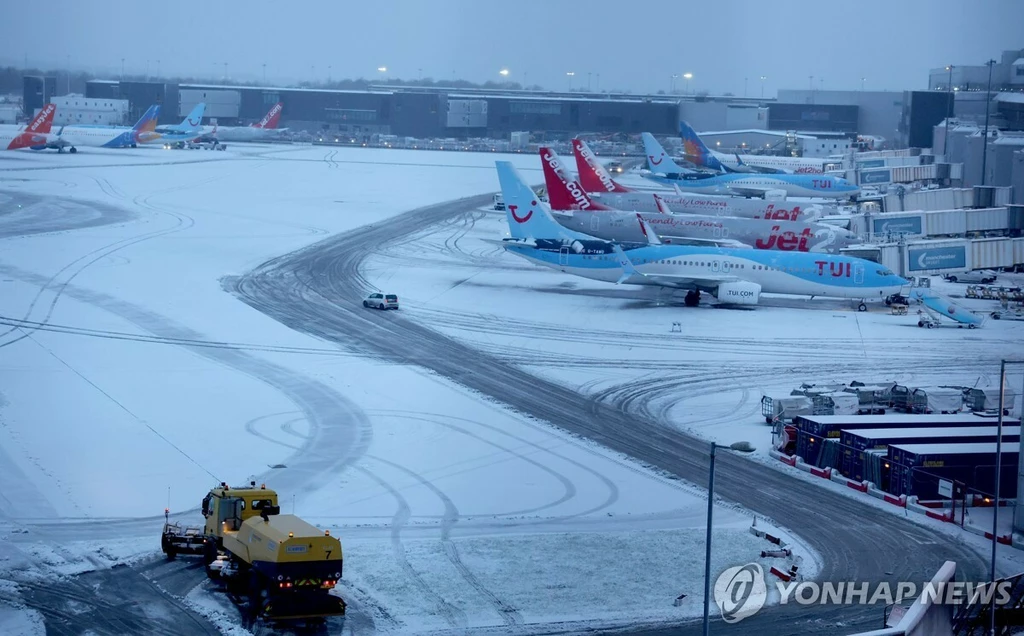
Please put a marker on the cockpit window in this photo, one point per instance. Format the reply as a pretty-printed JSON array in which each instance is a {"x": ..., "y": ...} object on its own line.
[{"x": 885, "y": 272}]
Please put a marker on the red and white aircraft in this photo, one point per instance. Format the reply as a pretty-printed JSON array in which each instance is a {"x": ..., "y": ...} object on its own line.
[{"x": 35, "y": 135}]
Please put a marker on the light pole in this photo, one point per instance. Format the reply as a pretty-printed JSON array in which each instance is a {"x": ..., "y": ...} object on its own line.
[
  {"x": 763, "y": 78},
  {"x": 744, "y": 86},
  {"x": 69, "y": 74},
  {"x": 999, "y": 457},
  {"x": 503, "y": 72},
  {"x": 672, "y": 84},
  {"x": 570, "y": 75},
  {"x": 329, "y": 67},
  {"x": 225, "y": 71},
  {"x": 588, "y": 81},
  {"x": 122, "y": 69},
  {"x": 743, "y": 447},
  {"x": 862, "y": 80},
  {"x": 264, "y": 73},
  {"x": 949, "y": 112},
  {"x": 687, "y": 77},
  {"x": 988, "y": 109}
]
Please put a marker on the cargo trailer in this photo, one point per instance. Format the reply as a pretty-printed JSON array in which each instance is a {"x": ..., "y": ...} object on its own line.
[
  {"x": 915, "y": 469},
  {"x": 937, "y": 399},
  {"x": 785, "y": 408},
  {"x": 811, "y": 430},
  {"x": 855, "y": 443}
]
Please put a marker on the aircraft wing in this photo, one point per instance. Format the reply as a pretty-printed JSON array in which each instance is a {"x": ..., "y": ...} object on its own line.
[
  {"x": 631, "y": 275},
  {"x": 688, "y": 282},
  {"x": 700, "y": 242},
  {"x": 747, "y": 191}
]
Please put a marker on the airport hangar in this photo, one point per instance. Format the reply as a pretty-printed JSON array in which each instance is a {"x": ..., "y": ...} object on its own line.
[{"x": 442, "y": 112}]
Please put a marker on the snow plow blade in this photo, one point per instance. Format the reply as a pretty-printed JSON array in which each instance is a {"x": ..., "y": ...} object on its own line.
[{"x": 178, "y": 539}]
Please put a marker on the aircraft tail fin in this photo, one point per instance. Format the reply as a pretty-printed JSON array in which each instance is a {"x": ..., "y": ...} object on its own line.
[
  {"x": 271, "y": 119},
  {"x": 43, "y": 120},
  {"x": 649, "y": 233},
  {"x": 148, "y": 121},
  {"x": 657, "y": 159},
  {"x": 564, "y": 192},
  {"x": 696, "y": 151},
  {"x": 194, "y": 117},
  {"x": 593, "y": 176},
  {"x": 661, "y": 205},
  {"x": 527, "y": 216}
]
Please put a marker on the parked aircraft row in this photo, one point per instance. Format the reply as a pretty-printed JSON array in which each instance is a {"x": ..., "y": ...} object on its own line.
[
  {"x": 601, "y": 186},
  {"x": 733, "y": 275},
  {"x": 575, "y": 209},
  {"x": 145, "y": 131},
  {"x": 662, "y": 169},
  {"x": 696, "y": 152}
]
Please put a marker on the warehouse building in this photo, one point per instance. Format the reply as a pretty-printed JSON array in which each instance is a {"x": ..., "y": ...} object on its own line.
[{"x": 405, "y": 111}]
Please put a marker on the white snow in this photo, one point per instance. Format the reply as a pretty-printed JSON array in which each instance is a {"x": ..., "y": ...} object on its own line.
[
  {"x": 20, "y": 620},
  {"x": 105, "y": 416}
]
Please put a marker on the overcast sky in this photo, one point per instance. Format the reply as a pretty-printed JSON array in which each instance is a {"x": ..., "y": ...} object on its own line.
[{"x": 636, "y": 46}]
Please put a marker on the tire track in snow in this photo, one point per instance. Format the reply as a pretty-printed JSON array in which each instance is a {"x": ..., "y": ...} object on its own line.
[
  {"x": 453, "y": 615},
  {"x": 508, "y": 614}
]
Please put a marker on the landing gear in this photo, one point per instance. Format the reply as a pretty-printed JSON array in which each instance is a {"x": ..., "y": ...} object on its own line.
[
  {"x": 692, "y": 298},
  {"x": 73, "y": 150},
  {"x": 862, "y": 307}
]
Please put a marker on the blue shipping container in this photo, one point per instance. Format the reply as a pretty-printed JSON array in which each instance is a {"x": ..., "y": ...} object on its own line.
[
  {"x": 916, "y": 468},
  {"x": 856, "y": 443},
  {"x": 812, "y": 429}
]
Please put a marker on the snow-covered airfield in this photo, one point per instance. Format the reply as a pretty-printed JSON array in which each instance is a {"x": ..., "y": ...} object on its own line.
[{"x": 135, "y": 373}]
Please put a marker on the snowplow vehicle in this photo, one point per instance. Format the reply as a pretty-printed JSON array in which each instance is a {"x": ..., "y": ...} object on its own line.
[{"x": 284, "y": 566}]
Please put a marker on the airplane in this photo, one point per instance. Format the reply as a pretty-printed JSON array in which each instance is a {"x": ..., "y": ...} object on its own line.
[
  {"x": 264, "y": 129},
  {"x": 176, "y": 135},
  {"x": 574, "y": 209},
  {"x": 105, "y": 136},
  {"x": 697, "y": 152},
  {"x": 734, "y": 276},
  {"x": 34, "y": 135},
  {"x": 664, "y": 170},
  {"x": 599, "y": 184}
]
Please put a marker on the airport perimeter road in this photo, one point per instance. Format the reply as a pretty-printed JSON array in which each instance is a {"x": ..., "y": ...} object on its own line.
[{"x": 318, "y": 290}]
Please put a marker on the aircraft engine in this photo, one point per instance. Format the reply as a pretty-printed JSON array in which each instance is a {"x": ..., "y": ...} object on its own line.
[{"x": 739, "y": 293}]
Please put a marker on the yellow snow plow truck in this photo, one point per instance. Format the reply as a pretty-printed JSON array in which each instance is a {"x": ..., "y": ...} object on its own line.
[{"x": 284, "y": 566}]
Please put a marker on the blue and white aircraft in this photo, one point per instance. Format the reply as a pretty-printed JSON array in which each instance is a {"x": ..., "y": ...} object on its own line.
[
  {"x": 664, "y": 170},
  {"x": 176, "y": 135},
  {"x": 734, "y": 276},
  {"x": 105, "y": 136}
]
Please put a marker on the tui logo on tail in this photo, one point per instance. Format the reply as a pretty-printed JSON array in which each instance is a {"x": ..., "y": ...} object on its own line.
[{"x": 521, "y": 219}]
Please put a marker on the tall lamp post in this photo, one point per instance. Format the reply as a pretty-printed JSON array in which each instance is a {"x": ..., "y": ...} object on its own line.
[
  {"x": 949, "y": 112},
  {"x": 763, "y": 78},
  {"x": 999, "y": 470},
  {"x": 743, "y": 447},
  {"x": 988, "y": 108},
  {"x": 688, "y": 77},
  {"x": 570, "y": 75}
]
